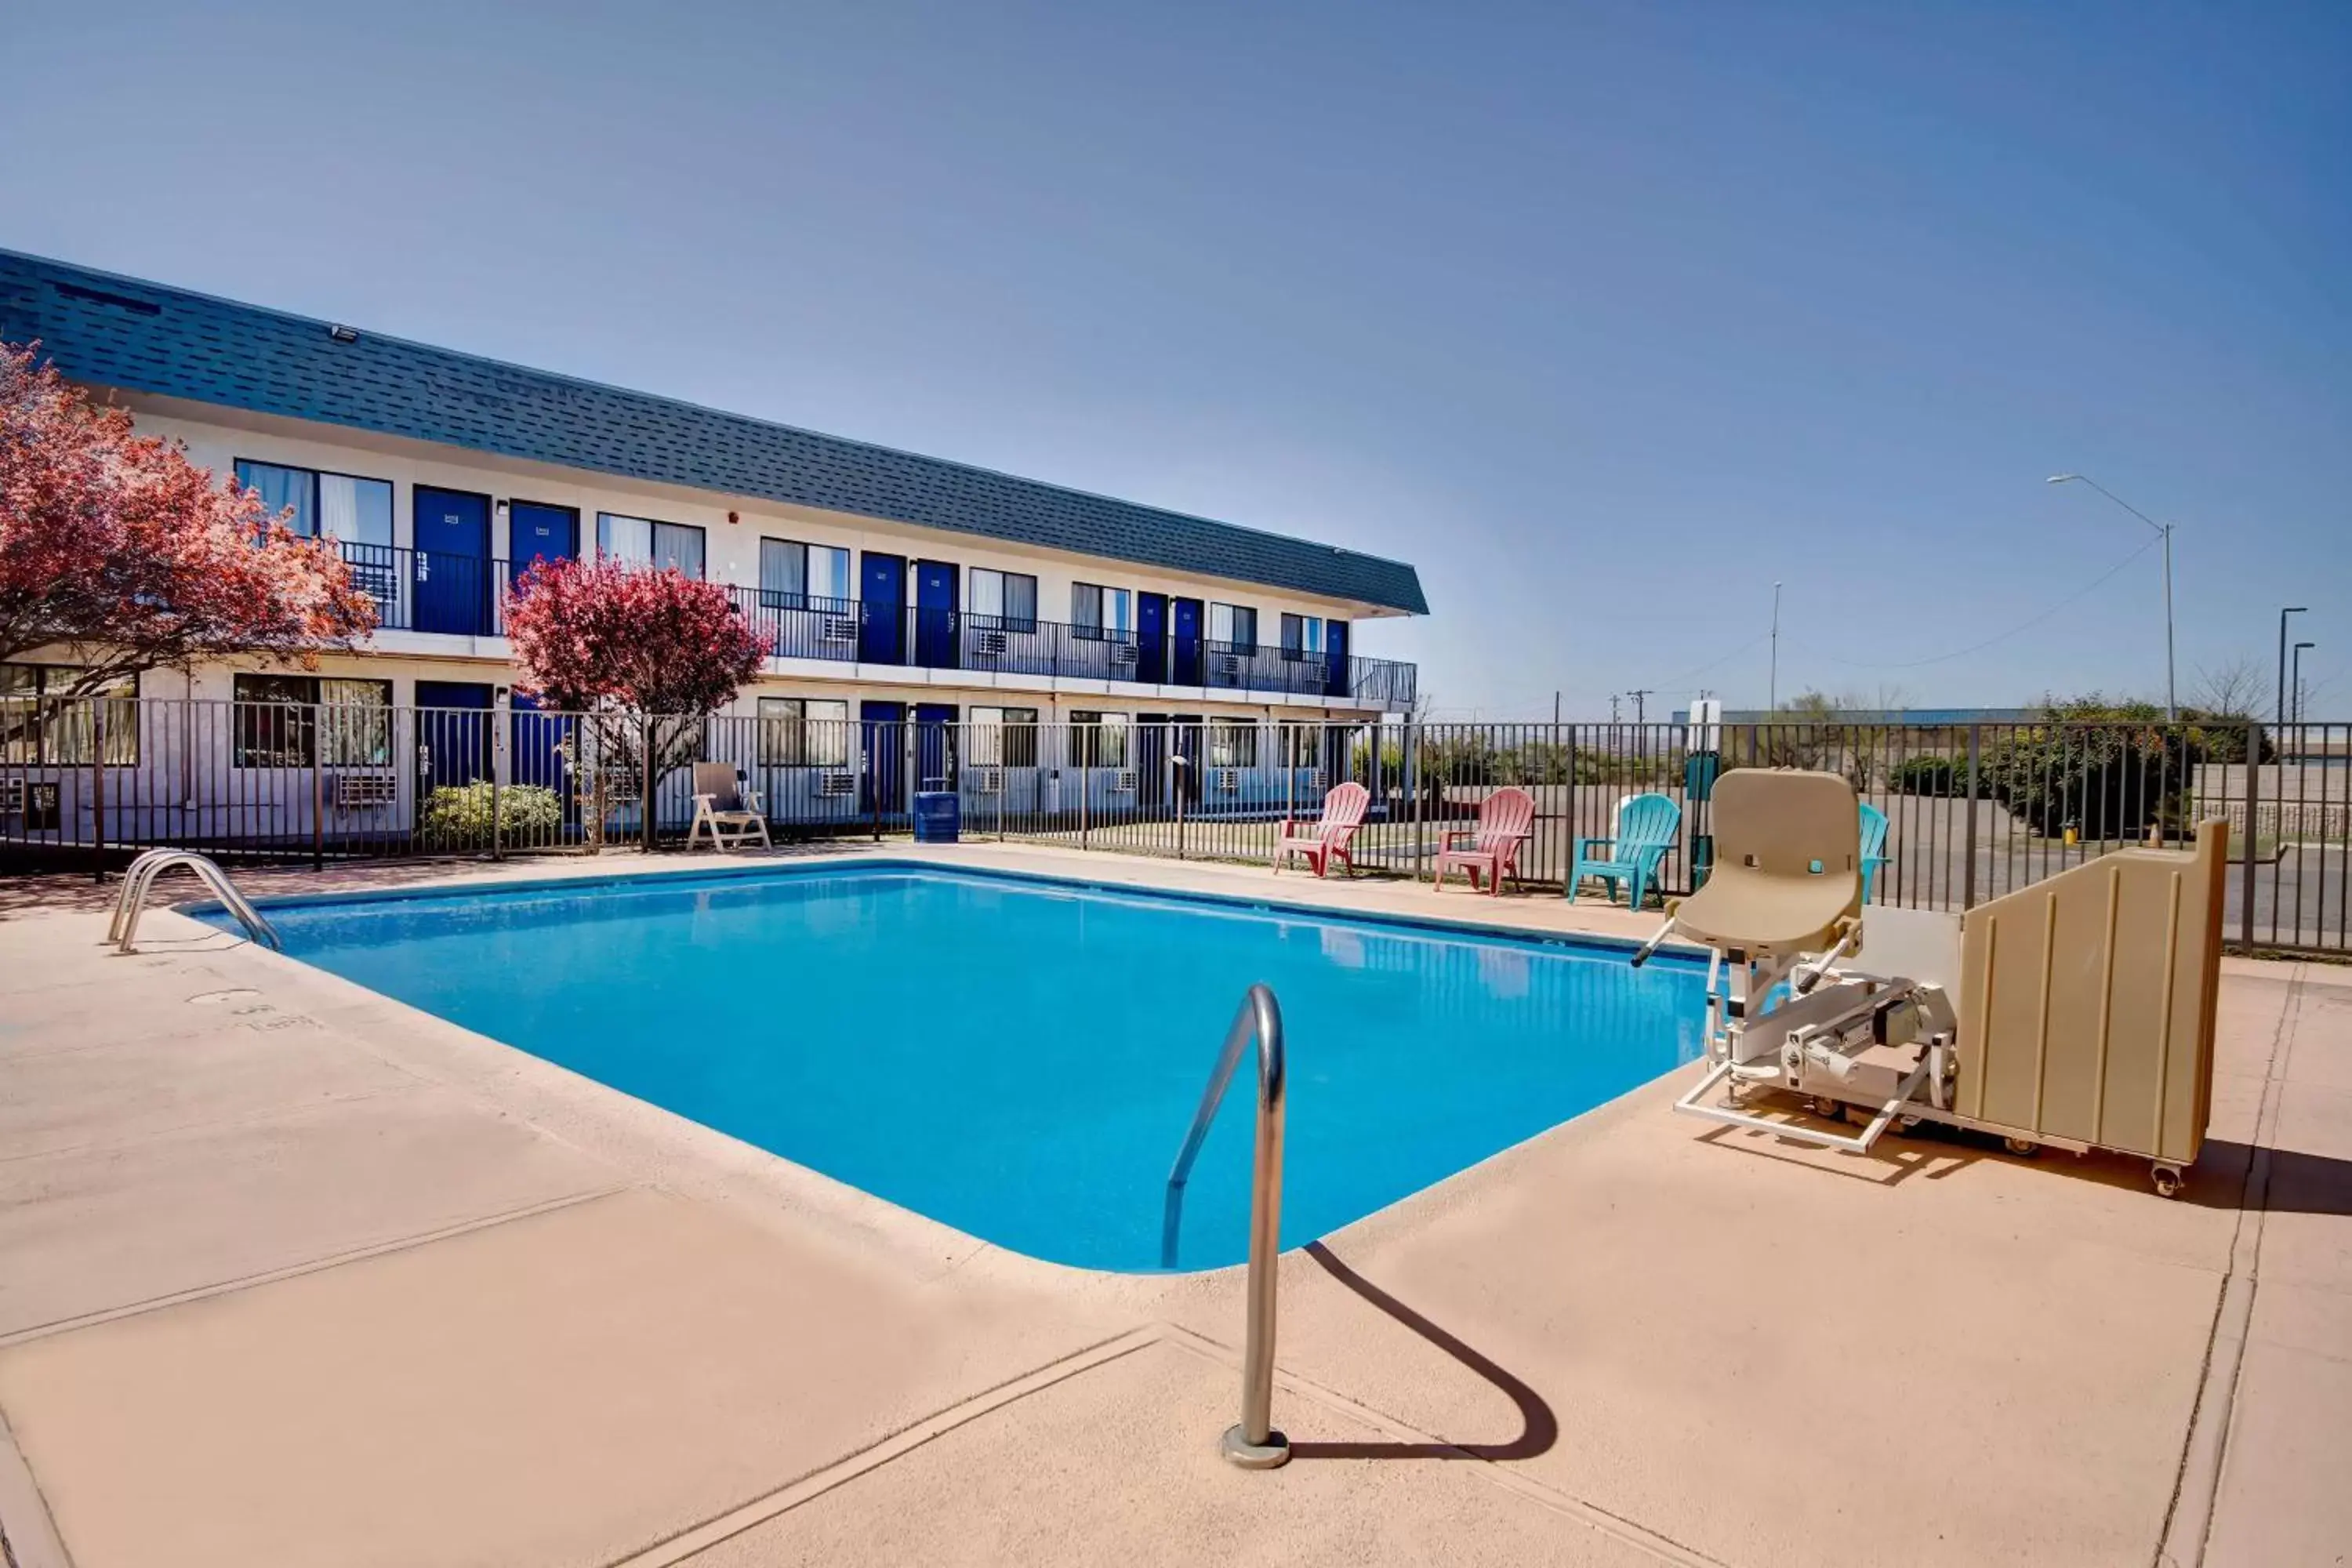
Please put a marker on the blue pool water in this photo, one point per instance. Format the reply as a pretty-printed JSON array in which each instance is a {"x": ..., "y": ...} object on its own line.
[{"x": 1019, "y": 1058}]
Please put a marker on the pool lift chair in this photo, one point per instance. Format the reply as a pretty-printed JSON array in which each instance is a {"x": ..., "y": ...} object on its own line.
[
  {"x": 1781, "y": 913},
  {"x": 2085, "y": 1000}
]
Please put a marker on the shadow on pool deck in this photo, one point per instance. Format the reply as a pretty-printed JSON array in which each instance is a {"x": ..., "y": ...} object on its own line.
[{"x": 1539, "y": 1428}]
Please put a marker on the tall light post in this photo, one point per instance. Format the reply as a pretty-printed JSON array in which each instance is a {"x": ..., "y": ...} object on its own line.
[
  {"x": 1772, "y": 690},
  {"x": 2171, "y": 697},
  {"x": 2296, "y": 683},
  {"x": 2283, "y": 613}
]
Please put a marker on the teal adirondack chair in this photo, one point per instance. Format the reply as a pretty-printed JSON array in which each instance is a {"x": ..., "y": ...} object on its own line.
[
  {"x": 1874, "y": 848},
  {"x": 1647, "y": 826}
]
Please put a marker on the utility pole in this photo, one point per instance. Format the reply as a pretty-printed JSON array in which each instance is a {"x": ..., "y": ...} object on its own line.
[
  {"x": 1641, "y": 710},
  {"x": 1613, "y": 708},
  {"x": 1555, "y": 710},
  {"x": 2171, "y": 694},
  {"x": 1773, "y": 691},
  {"x": 2295, "y": 711},
  {"x": 2283, "y": 613}
]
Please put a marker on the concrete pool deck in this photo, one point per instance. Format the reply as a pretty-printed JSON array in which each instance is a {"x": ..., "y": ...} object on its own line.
[{"x": 291, "y": 1273}]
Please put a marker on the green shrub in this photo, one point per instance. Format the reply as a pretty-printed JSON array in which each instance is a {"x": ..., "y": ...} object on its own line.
[
  {"x": 458, "y": 816},
  {"x": 1945, "y": 778}
]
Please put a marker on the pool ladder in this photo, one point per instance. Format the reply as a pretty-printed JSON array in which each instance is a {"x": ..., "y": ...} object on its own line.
[
  {"x": 140, "y": 877},
  {"x": 1253, "y": 1444}
]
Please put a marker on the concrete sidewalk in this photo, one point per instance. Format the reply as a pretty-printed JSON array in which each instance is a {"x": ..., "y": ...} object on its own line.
[{"x": 291, "y": 1273}]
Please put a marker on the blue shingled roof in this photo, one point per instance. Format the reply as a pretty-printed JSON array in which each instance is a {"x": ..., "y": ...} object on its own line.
[{"x": 144, "y": 337}]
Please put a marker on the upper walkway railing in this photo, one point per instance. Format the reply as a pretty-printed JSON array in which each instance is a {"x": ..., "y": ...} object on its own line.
[{"x": 460, "y": 595}]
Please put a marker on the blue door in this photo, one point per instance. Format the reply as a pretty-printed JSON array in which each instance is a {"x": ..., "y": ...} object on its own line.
[
  {"x": 536, "y": 749},
  {"x": 536, "y": 533},
  {"x": 452, "y": 561},
  {"x": 1187, "y": 659},
  {"x": 1185, "y": 732},
  {"x": 1152, "y": 758},
  {"x": 883, "y": 728},
  {"x": 935, "y": 615},
  {"x": 935, "y": 745},
  {"x": 1335, "y": 659},
  {"x": 453, "y": 733},
  {"x": 1151, "y": 636},
  {"x": 882, "y": 595}
]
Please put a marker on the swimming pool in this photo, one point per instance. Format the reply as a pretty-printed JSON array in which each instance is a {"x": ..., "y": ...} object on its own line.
[{"x": 1020, "y": 1058}]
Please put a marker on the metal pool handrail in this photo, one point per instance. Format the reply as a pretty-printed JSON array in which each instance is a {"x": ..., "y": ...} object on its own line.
[
  {"x": 1253, "y": 1444},
  {"x": 140, "y": 877}
]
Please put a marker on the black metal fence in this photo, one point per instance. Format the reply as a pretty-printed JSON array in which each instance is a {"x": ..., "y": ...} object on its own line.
[{"x": 1968, "y": 813}]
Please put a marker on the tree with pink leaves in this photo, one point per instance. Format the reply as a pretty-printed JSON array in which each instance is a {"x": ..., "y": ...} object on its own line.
[
  {"x": 643, "y": 655},
  {"x": 121, "y": 554}
]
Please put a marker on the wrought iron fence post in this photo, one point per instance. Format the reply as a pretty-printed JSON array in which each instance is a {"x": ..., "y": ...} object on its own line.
[
  {"x": 1969, "y": 871},
  {"x": 97, "y": 790},
  {"x": 2254, "y": 795},
  {"x": 645, "y": 788},
  {"x": 318, "y": 790},
  {"x": 498, "y": 755},
  {"x": 1412, "y": 789}
]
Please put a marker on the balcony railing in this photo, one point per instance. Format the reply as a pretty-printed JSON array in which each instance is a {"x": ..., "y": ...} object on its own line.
[
  {"x": 850, "y": 630},
  {"x": 430, "y": 591}
]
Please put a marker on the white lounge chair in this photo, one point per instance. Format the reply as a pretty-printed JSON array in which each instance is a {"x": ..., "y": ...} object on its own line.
[{"x": 725, "y": 803}]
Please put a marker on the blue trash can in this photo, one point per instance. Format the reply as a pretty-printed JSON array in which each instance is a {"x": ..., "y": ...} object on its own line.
[{"x": 938, "y": 816}]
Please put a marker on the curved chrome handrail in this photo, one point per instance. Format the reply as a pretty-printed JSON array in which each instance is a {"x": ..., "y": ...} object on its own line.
[
  {"x": 1253, "y": 1444},
  {"x": 142, "y": 877}
]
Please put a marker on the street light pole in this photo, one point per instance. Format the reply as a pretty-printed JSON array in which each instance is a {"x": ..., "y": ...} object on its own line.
[
  {"x": 2296, "y": 685},
  {"x": 2172, "y": 692},
  {"x": 2283, "y": 613},
  {"x": 1772, "y": 690}
]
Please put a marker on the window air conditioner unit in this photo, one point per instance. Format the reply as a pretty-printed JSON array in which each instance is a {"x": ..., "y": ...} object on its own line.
[
  {"x": 1123, "y": 782},
  {"x": 12, "y": 797},
  {"x": 836, "y": 628},
  {"x": 1229, "y": 665},
  {"x": 833, "y": 785},
  {"x": 1310, "y": 778},
  {"x": 1123, "y": 653},
  {"x": 988, "y": 645},
  {"x": 359, "y": 792},
  {"x": 986, "y": 781},
  {"x": 1225, "y": 781}
]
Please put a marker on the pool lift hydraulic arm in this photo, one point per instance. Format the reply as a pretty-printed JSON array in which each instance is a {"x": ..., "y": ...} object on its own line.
[{"x": 1800, "y": 1024}]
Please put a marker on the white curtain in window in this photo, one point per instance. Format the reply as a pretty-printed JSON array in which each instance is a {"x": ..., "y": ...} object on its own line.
[
  {"x": 1020, "y": 599},
  {"x": 987, "y": 591},
  {"x": 986, "y": 743},
  {"x": 356, "y": 716},
  {"x": 679, "y": 545},
  {"x": 783, "y": 571},
  {"x": 281, "y": 487},
  {"x": 357, "y": 511},
  {"x": 629, "y": 538},
  {"x": 828, "y": 574},
  {"x": 828, "y": 733}
]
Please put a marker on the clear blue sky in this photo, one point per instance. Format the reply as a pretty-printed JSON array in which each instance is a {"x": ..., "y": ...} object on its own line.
[{"x": 1604, "y": 316}]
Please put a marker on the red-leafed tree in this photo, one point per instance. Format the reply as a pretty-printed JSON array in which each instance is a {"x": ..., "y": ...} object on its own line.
[
  {"x": 645, "y": 656},
  {"x": 119, "y": 552}
]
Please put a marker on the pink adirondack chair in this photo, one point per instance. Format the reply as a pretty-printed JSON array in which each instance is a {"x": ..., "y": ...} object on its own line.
[
  {"x": 1506, "y": 820},
  {"x": 1326, "y": 838}
]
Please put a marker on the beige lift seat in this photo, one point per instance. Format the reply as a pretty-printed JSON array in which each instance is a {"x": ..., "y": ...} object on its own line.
[{"x": 1788, "y": 854}]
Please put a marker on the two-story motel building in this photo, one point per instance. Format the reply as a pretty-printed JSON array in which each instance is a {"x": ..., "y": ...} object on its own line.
[{"x": 894, "y": 587}]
